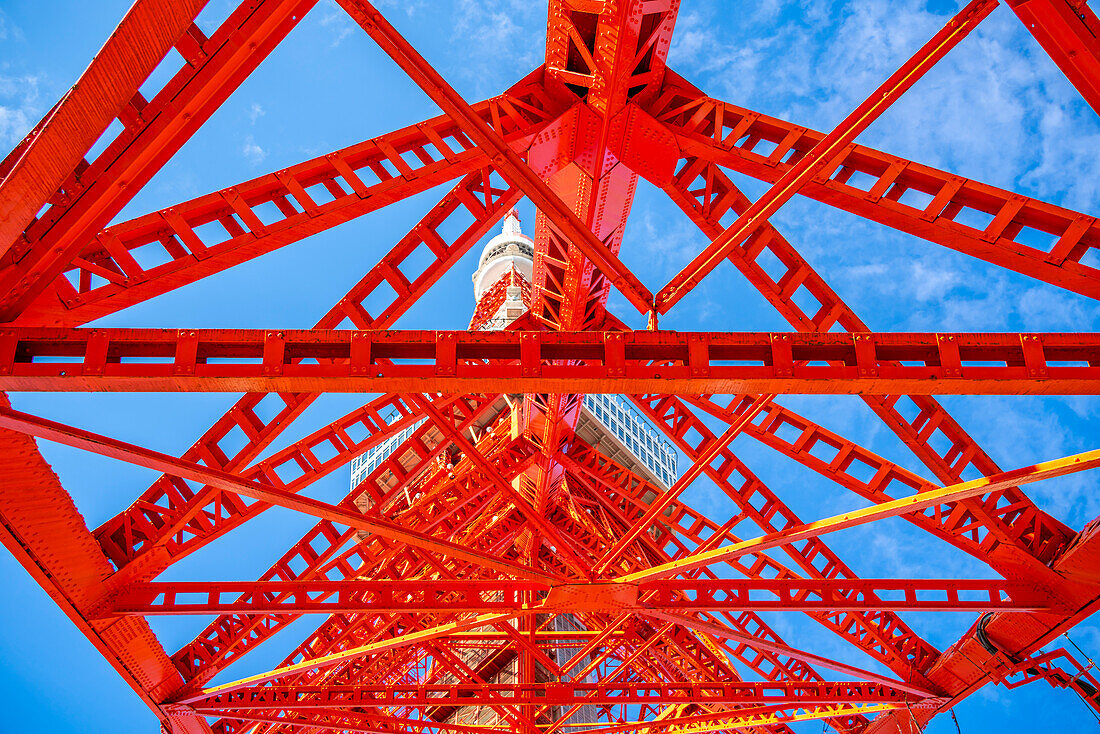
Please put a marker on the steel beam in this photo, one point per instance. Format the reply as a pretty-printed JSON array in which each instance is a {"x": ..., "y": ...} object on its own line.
[
  {"x": 1021, "y": 233},
  {"x": 113, "y": 448},
  {"x": 214, "y": 67},
  {"x": 964, "y": 525},
  {"x": 339, "y": 658},
  {"x": 1069, "y": 31},
  {"x": 43, "y": 359},
  {"x": 209, "y": 234},
  {"x": 490, "y": 596},
  {"x": 295, "y": 698},
  {"x": 698, "y": 465},
  {"x": 161, "y": 506},
  {"x": 402, "y": 572},
  {"x": 511, "y": 165},
  {"x": 1024, "y": 475},
  {"x": 1024, "y": 535},
  {"x": 317, "y": 554},
  {"x": 44, "y": 531},
  {"x": 39, "y": 166},
  {"x": 823, "y": 154}
]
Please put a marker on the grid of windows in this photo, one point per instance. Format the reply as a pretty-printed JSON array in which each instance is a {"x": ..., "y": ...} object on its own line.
[
  {"x": 632, "y": 430},
  {"x": 362, "y": 466},
  {"x": 612, "y": 411}
]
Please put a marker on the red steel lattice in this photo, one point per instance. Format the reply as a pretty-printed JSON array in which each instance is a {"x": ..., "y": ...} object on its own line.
[{"x": 443, "y": 572}]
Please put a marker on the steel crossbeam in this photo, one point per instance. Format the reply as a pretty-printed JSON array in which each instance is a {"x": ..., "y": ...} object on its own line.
[
  {"x": 514, "y": 168},
  {"x": 446, "y": 573},
  {"x": 212, "y": 233},
  {"x": 883, "y": 635},
  {"x": 306, "y": 697},
  {"x": 317, "y": 553},
  {"x": 1069, "y": 31},
  {"x": 801, "y": 439},
  {"x": 640, "y": 362},
  {"x": 815, "y": 160},
  {"x": 169, "y": 498},
  {"x": 483, "y": 597},
  {"x": 938, "y": 440},
  {"x": 1021, "y": 233},
  {"x": 153, "y": 131},
  {"x": 893, "y": 508},
  {"x": 257, "y": 490},
  {"x": 39, "y": 166}
]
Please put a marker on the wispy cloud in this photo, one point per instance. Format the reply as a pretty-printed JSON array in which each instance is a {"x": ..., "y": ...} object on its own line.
[
  {"x": 336, "y": 20},
  {"x": 8, "y": 29},
  {"x": 252, "y": 151},
  {"x": 995, "y": 109},
  {"x": 497, "y": 40},
  {"x": 19, "y": 108}
]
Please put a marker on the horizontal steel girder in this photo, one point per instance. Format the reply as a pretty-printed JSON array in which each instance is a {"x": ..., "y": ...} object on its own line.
[
  {"x": 565, "y": 693},
  {"x": 215, "y": 360},
  {"x": 426, "y": 595}
]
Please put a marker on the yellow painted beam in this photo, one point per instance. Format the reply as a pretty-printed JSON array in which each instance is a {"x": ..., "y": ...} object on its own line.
[
  {"x": 326, "y": 661},
  {"x": 903, "y": 506}
]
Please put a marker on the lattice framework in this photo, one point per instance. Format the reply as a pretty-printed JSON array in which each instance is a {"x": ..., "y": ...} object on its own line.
[{"x": 449, "y": 561}]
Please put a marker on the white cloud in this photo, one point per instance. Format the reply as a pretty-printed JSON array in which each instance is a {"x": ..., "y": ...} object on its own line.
[
  {"x": 256, "y": 112},
  {"x": 669, "y": 245},
  {"x": 995, "y": 109},
  {"x": 8, "y": 29},
  {"x": 253, "y": 152},
  {"x": 19, "y": 108},
  {"x": 336, "y": 20},
  {"x": 497, "y": 41},
  {"x": 409, "y": 7}
]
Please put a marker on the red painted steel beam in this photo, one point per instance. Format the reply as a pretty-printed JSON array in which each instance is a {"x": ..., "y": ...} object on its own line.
[
  {"x": 113, "y": 448},
  {"x": 969, "y": 664},
  {"x": 608, "y": 55},
  {"x": 965, "y": 525},
  {"x": 44, "y": 359},
  {"x": 769, "y": 671},
  {"x": 1023, "y": 234},
  {"x": 532, "y": 515},
  {"x": 681, "y": 530},
  {"x": 346, "y": 721},
  {"x": 153, "y": 131},
  {"x": 162, "y": 533},
  {"x": 503, "y": 157},
  {"x": 698, "y": 465},
  {"x": 1027, "y": 536},
  {"x": 40, "y": 165},
  {"x": 391, "y": 286},
  {"x": 206, "y": 235},
  {"x": 880, "y": 634},
  {"x": 294, "y": 698},
  {"x": 725, "y": 632},
  {"x": 486, "y": 596},
  {"x": 1069, "y": 31},
  {"x": 316, "y": 555},
  {"x": 823, "y": 154},
  {"x": 883, "y": 636},
  {"x": 44, "y": 531},
  {"x": 229, "y": 636},
  {"x": 796, "y": 533},
  {"x": 337, "y": 659}
]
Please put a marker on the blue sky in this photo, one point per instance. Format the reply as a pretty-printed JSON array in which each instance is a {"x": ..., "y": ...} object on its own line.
[{"x": 996, "y": 110}]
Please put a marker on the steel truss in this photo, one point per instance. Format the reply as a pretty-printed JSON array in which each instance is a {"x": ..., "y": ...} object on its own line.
[{"x": 453, "y": 557}]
